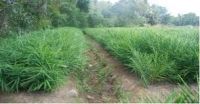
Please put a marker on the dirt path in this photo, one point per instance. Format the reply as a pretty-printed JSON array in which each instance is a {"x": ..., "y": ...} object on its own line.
[
  {"x": 64, "y": 94},
  {"x": 131, "y": 83}
]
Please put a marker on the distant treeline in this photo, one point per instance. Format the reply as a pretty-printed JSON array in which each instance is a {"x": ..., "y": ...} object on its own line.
[
  {"x": 135, "y": 12},
  {"x": 26, "y": 15}
]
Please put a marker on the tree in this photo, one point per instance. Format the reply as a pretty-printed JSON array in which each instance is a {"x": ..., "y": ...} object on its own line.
[
  {"x": 158, "y": 14},
  {"x": 190, "y": 19},
  {"x": 130, "y": 12},
  {"x": 96, "y": 13},
  {"x": 166, "y": 19},
  {"x": 186, "y": 19},
  {"x": 27, "y": 15},
  {"x": 83, "y": 5}
]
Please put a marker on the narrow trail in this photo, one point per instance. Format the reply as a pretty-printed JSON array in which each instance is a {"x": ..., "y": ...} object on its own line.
[{"x": 130, "y": 82}]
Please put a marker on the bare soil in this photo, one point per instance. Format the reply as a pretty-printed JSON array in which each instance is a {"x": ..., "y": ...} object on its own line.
[
  {"x": 60, "y": 95},
  {"x": 99, "y": 79}
]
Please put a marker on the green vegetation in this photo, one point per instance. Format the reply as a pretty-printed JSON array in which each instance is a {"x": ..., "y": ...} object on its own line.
[
  {"x": 28, "y": 15},
  {"x": 184, "y": 95},
  {"x": 155, "y": 54},
  {"x": 37, "y": 54},
  {"x": 127, "y": 13},
  {"x": 40, "y": 60}
]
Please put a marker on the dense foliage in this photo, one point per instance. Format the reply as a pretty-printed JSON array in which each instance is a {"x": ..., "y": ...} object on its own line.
[
  {"x": 155, "y": 54},
  {"x": 40, "y": 60},
  {"x": 26, "y": 15}
]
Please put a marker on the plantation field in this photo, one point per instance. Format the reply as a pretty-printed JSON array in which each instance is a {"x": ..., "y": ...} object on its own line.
[
  {"x": 40, "y": 60},
  {"x": 155, "y": 54},
  {"x": 101, "y": 64},
  {"x": 99, "y": 51}
]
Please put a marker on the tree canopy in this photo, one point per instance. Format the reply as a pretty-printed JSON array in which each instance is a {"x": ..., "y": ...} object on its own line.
[{"x": 26, "y": 15}]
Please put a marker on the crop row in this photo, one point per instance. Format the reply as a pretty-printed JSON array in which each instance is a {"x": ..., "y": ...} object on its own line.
[
  {"x": 41, "y": 60},
  {"x": 155, "y": 54}
]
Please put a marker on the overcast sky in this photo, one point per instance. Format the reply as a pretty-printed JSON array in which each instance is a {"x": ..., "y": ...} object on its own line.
[{"x": 176, "y": 7}]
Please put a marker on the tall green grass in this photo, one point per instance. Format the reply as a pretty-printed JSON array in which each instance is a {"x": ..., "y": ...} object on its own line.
[
  {"x": 41, "y": 60},
  {"x": 155, "y": 54}
]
